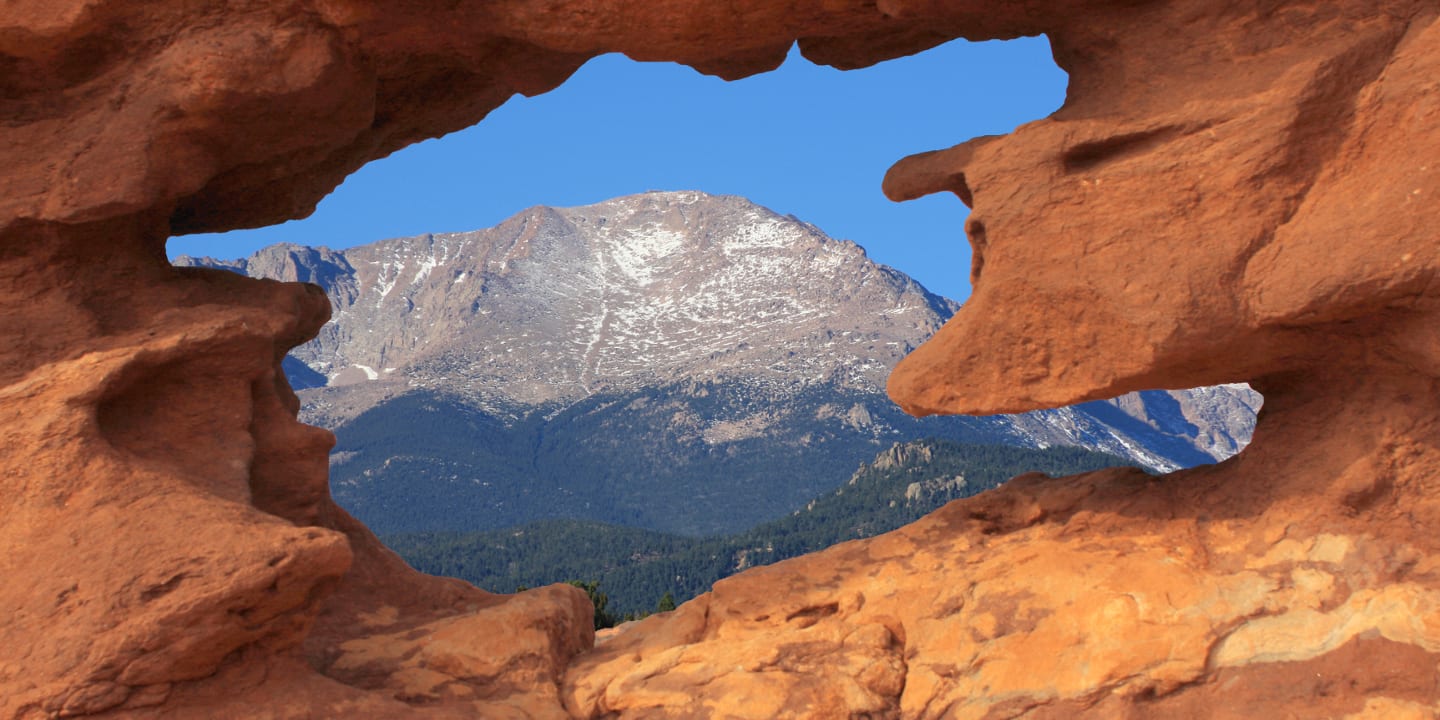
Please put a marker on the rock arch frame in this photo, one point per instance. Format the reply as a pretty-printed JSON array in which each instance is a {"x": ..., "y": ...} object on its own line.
[{"x": 1229, "y": 193}]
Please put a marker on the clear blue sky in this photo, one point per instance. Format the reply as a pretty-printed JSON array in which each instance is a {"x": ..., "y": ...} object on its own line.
[{"x": 806, "y": 140}]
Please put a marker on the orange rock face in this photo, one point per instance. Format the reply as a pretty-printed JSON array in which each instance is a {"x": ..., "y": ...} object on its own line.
[
  {"x": 1231, "y": 192},
  {"x": 1212, "y": 204},
  {"x": 1262, "y": 587}
]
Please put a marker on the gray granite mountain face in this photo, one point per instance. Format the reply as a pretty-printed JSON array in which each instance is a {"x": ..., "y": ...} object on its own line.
[{"x": 556, "y": 305}]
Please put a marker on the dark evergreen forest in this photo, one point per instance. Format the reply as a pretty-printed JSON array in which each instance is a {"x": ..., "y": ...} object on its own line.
[
  {"x": 635, "y": 569},
  {"x": 428, "y": 462}
]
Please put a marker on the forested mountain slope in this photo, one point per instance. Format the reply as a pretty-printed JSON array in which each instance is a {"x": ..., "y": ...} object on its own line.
[{"x": 637, "y": 567}]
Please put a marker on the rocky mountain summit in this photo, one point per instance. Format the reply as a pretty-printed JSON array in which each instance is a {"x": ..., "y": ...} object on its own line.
[
  {"x": 559, "y": 304},
  {"x": 674, "y": 360}
]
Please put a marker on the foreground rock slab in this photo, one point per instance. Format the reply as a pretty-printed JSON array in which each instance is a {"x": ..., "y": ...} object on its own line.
[{"x": 1108, "y": 595}]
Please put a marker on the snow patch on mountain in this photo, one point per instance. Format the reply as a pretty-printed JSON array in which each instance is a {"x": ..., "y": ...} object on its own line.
[{"x": 556, "y": 305}]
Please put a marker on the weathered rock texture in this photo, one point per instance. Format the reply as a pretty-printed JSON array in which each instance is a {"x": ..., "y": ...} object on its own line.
[{"x": 1232, "y": 192}]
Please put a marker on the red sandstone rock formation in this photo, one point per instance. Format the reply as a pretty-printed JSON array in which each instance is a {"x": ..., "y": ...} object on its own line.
[{"x": 1231, "y": 192}]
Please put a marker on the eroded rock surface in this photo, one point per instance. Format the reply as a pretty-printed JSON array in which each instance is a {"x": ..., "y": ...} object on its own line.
[
  {"x": 167, "y": 519},
  {"x": 1201, "y": 210},
  {"x": 1232, "y": 192},
  {"x": 1312, "y": 593}
]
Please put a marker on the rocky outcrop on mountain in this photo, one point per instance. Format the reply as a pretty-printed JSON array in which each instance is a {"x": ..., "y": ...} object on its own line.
[{"x": 1231, "y": 193}]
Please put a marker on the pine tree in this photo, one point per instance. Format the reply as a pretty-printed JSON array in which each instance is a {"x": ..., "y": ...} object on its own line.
[{"x": 603, "y": 619}]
